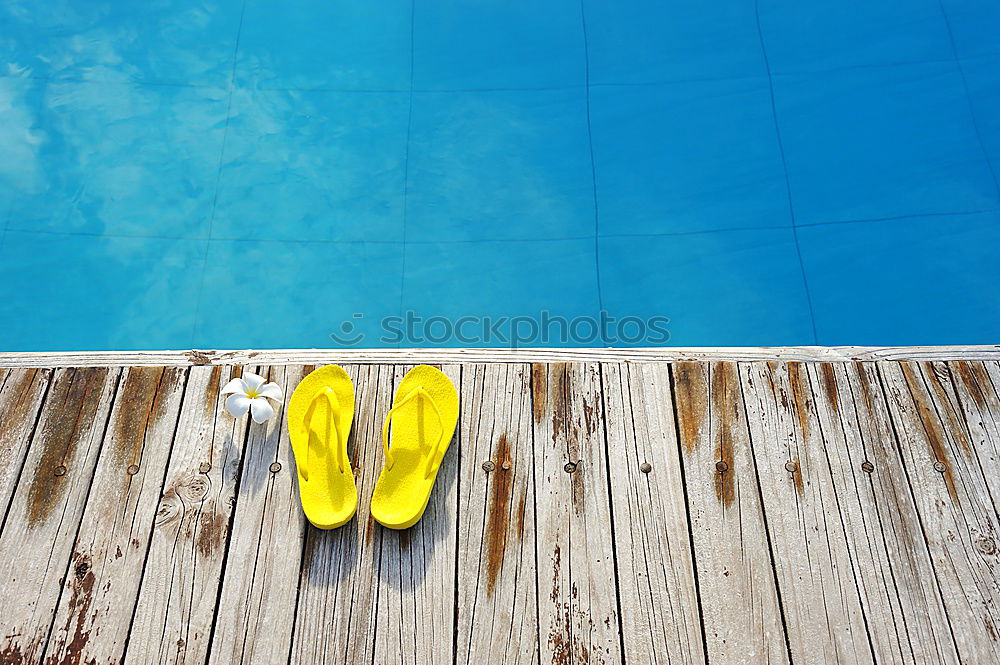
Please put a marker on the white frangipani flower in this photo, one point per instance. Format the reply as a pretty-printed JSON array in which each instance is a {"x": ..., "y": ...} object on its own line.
[{"x": 251, "y": 393}]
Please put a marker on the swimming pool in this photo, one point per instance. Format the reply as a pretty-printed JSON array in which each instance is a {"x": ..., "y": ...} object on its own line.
[{"x": 230, "y": 174}]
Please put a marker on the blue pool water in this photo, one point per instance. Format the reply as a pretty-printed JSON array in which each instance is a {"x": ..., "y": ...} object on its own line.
[{"x": 232, "y": 174}]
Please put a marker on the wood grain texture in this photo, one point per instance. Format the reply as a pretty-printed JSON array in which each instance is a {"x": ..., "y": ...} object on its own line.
[
  {"x": 790, "y": 513},
  {"x": 895, "y": 577},
  {"x": 739, "y": 599},
  {"x": 816, "y": 579},
  {"x": 94, "y": 614},
  {"x": 656, "y": 584},
  {"x": 497, "y": 602},
  {"x": 177, "y": 602},
  {"x": 579, "y": 618},
  {"x": 21, "y": 395},
  {"x": 416, "y": 570},
  {"x": 545, "y": 355},
  {"x": 953, "y": 501},
  {"x": 972, "y": 393},
  {"x": 45, "y": 513},
  {"x": 256, "y": 609},
  {"x": 338, "y": 610}
]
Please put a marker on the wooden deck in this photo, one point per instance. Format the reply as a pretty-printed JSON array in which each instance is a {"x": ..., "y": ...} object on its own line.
[{"x": 593, "y": 511}]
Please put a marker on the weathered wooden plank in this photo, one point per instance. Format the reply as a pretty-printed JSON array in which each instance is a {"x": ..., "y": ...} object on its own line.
[
  {"x": 978, "y": 402},
  {"x": 179, "y": 589},
  {"x": 956, "y": 511},
  {"x": 256, "y": 611},
  {"x": 94, "y": 614},
  {"x": 739, "y": 599},
  {"x": 416, "y": 574},
  {"x": 337, "y": 606},
  {"x": 892, "y": 566},
  {"x": 45, "y": 512},
  {"x": 579, "y": 619},
  {"x": 660, "y": 620},
  {"x": 440, "y": 355},
  {"x": 21, "y": 395},
  {"x": 820, "y": 598},
  {"x": 497, "y": 604}
]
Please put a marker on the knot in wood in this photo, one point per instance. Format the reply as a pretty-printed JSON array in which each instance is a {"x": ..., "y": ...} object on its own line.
[
  {"x": 194, "y": 489},
  {"x": 81, "y": 569},
  {"x": 987, "y": 545},
  {"x": 204, "y": 467},
  {"x": 168, "y": 509}
]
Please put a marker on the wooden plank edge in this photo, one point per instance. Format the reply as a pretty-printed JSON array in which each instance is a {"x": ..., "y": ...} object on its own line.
[{"x": 444, "y": 356}]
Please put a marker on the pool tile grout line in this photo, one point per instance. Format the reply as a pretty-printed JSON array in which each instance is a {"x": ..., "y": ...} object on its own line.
[
  {"x": 406, "y": 165},
  {"x": 784, "y": 168},
  {"x": 593, "y": 169},
  {"x": 679, "y": 80},
  {"x": 348, "y": 241},
  {"x": 218, "y": 178},
  {"x": 6, "y": 226},
  {"x": 968, "y": 99}
]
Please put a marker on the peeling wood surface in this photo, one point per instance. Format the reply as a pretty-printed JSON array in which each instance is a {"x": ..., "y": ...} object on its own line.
[
  {"x": 739, "y": 600},
  {"x": 659, "y": 601},
  {"x": 822, "y": 607},
  {"x": 497, "y": 594},
  {"x": 579, "y": 617},
  {"x": 952, "y": 498},
  {"x": 594, "y": 511},
  {"x": 259, "y": 587},
  {"x": 189, "y": 532},
  {"x": 36, "y": 545}
]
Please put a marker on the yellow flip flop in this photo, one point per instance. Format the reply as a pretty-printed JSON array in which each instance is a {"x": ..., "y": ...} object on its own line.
[
  {"x": 320, "y": 413},
  {"x": 424, "y": 414}
]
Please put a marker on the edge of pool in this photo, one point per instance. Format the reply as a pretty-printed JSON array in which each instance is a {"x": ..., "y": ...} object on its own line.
[{"x": 445, "y": 356}]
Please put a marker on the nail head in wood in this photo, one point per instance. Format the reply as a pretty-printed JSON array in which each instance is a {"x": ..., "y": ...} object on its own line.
[
  {"x": 940, "y": 467},
  {"x": 506, "y": 465},
  {"x": 570, "y": 467},
  {"x": 645, "y": 467},
  {"x": 60, "y": 470},
  {"x": 791, "y": 467},
  {"x": 488, "y": 466},
  {"x": 867, "y": 466},
  {"x": 132, "y": 470},
  {"x": 721, "y": 466},
  {"x": 275, "y": 467},
  {"x": 204, "y": 467}
]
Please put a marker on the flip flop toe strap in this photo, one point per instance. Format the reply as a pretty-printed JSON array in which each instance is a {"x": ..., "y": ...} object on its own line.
[
  {"x": 433, "y": 462},
  {"x": 322, "y": 433}
]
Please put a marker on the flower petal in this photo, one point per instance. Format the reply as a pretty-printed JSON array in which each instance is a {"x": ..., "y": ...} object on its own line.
[
  {"x": 234, "y": 386},
  {"x": 237, "y": 405},
  {"x": 252, "y": 381},
  {"x": 260, "y": 409},
  {"x": 272, "y": 390}
]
